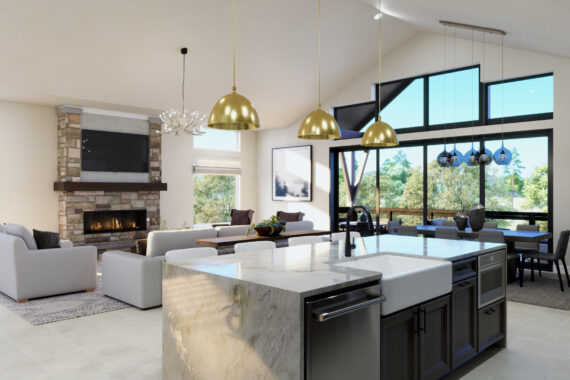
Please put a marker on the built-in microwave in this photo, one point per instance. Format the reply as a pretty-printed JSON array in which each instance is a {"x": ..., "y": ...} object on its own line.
[{"x": 492, "y": 283}]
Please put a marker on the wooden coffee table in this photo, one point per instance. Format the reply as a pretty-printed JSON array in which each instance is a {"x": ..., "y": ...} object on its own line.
[{"x": 231, "y": 240}]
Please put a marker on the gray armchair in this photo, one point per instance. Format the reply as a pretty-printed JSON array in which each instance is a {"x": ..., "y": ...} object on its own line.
[{"x": 26, "y": 273}]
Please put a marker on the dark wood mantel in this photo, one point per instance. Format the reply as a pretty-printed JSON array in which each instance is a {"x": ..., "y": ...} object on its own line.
[{"x": 109, "y": 186}]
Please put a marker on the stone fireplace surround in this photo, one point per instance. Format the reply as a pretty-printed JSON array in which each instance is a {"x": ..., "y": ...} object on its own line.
[{"x": 101, "y": 196}]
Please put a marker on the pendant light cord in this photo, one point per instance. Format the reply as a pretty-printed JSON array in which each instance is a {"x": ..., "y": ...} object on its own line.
[
  {"x": 502, "y": 91},
  {"x": 234, "y": 48},
  {"x": 319, "y": 49},
  {"x": 379, "y": 59},
  {"x": 472, "y": 92},
  {"x": 453, "y": 92},
  {"x": 183, "y": 79}
]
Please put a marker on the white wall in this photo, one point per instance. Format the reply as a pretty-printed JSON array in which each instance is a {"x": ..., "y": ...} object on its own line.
[
  {"x": 28, "y": 168},
  {"x": 421, "y": 54},
  {"x": 178, "y": 155}
]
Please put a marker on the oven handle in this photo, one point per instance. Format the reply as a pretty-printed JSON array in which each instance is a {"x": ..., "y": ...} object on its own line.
[{"x": 328, "y": 315}]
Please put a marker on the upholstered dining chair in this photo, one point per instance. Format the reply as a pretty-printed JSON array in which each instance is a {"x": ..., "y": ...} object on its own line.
[
  {"x": 491, "y": 236},
  {"x": 448, "y": 223},
  {"x": 446, "y": 233},
  {"x": 558, "y": 255},
  {"x": 336, "y": 236},
  {"x": 179, "y": 255},
  {"x": 300, "y": 240},
  {"x": 407, "y": 230},
  {"x": 253, "y": 246},
  {"x": 393, "y": 226},
  {"x": 526, "y": 247}
]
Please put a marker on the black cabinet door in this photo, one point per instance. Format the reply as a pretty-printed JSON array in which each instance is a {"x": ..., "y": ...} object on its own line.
[
  {"x": 492, "y": 324},
  {"x": 463, "y": 321},
  {"x": 435, "y": 347},
  {"x": 400, "y": 346}
]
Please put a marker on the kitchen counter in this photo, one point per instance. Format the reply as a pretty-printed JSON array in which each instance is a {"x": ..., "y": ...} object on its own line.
[{"x": 241, "y": 316}]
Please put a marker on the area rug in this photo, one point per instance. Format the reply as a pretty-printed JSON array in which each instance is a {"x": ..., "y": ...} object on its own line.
[
  {"x": 52, "y": 309},
  {"x": 544, "y": 291}
]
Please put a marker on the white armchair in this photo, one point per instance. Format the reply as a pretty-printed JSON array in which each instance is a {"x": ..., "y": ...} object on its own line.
[{"x": 26, "y": 274}]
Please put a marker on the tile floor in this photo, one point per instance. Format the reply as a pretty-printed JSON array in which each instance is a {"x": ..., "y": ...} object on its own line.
[{"x": 126, "y": 344}]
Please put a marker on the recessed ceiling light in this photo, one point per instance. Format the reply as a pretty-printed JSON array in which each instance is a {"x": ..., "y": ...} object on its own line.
[{"x": 377, "y": 16}]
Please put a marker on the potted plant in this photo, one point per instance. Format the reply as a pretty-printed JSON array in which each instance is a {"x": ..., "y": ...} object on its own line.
[{"x": 268, "y": 227}]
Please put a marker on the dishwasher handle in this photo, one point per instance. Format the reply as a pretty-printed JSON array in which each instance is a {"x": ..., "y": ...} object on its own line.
[{"x": 328, "y": 315}]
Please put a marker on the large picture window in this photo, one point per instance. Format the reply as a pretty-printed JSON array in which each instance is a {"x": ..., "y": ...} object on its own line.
[
  {"x": 214, "y": 197},
  {"x": 413, "y": 188}
]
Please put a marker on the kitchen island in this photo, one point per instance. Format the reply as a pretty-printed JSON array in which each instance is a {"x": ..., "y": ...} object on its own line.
[{"x": 245, "y": 316}]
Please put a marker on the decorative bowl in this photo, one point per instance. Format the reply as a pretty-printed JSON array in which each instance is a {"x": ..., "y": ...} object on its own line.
[{"x": 271, "y": 230}]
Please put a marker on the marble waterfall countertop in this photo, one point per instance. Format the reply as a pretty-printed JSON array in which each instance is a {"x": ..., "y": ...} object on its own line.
[
  {"x": 316, "y": 268},
  {"x": 242, "y": 315}
]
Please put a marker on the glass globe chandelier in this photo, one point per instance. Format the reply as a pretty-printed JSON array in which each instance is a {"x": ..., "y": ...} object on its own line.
[{"x": 175, "y": 122}]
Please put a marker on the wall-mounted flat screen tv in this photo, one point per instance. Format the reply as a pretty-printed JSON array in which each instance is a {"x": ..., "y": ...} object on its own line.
[{"x": 114, "y": 152}]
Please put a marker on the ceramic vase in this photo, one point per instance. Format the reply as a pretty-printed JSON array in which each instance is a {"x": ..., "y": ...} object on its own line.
[{"x": 477, "y": 217}]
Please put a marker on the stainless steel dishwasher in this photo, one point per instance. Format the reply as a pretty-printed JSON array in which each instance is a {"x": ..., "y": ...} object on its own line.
[{"x": 342, "y": 334}]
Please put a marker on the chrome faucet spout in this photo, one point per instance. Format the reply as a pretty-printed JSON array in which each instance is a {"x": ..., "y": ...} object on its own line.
[{"x": 348, "y": 245}]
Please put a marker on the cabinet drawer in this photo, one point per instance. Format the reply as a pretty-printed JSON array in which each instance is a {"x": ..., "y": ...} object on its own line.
[
  {"x": 464, "y": 269},
  {"x": 492, "y": 324}
]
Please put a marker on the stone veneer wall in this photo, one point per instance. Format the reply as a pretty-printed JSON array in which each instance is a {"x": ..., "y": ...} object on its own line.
[{"x": 72, "y": 204}]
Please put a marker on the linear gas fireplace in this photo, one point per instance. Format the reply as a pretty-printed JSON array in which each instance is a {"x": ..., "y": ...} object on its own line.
[{"x": 95, "y": 222}]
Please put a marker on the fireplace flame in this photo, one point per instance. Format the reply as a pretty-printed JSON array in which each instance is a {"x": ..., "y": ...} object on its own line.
[{"x": 116, "y": 225}]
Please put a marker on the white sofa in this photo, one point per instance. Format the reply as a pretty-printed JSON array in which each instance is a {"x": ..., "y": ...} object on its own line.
[
  {"x": 137, "y": 279},
  {"x": 31, "y": 273}
]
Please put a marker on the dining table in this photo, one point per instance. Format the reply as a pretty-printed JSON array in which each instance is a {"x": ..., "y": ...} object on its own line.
[
  {"x": 227, "y": 241},
  {"x": 511, "y": 237}
]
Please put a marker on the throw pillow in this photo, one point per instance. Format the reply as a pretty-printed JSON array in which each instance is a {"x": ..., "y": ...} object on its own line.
[
  {"x": 290, "y": 216},
  {"x": 47, "y": 240},
  {"x": 241, "y": 217},
  {"x": 22, "y": 232}
]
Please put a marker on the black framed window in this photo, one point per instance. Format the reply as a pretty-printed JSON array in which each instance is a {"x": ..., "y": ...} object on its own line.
[
  {"x": 406, "y": 183},
  {"x": 521, "y": 98},
  {"x": 404, "y": 106},
  {"x": 451, "y": 99}
]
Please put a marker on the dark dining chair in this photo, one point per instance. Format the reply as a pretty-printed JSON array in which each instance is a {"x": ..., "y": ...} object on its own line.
[
  {"x": 526, "y": 247},
  {"x": 491, "y": 236},
  {"x": 407, "y": 230},
  {"x": 558, "y": 255},
  {"x": 449, "y": 233}
]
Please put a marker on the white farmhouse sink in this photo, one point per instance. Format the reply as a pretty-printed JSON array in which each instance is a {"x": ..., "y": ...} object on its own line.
[{"x": 406, "y": 281}]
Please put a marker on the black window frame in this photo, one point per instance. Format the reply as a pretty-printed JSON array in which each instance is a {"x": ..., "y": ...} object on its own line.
[
  {"x": 519, "y": 118},
  {"x": 335, "y": 209},
  {"x": 483, "y": 103}
]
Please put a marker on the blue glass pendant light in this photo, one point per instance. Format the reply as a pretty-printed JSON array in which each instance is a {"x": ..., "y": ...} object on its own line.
[
  {"x": 456, "y": 158},
  {"x": 471, "y": 157},
  {"x": 444, "y": 158},
  {"x": 485, "y": 155},
  {"x": 503, "y": 156}
]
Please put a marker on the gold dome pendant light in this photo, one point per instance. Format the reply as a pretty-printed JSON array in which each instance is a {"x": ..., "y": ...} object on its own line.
[
  {"x": 233, "y": 111},
  {"x": 319, "y": 125},
  {"x": 379, "y": 134}
]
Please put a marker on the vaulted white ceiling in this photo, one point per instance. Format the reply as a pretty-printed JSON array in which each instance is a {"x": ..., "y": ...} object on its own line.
[{"x": 124, "y": 54}]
